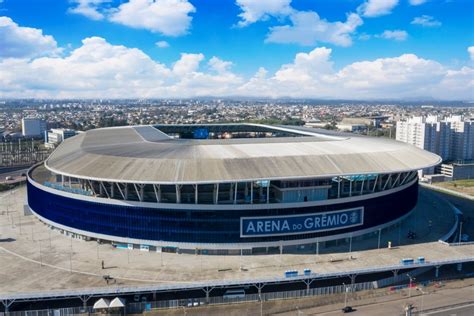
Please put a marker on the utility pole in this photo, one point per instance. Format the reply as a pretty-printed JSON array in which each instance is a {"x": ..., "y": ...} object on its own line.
[
  {"x": 410, "y": 284},
  {"x": 345, "y": 294}
]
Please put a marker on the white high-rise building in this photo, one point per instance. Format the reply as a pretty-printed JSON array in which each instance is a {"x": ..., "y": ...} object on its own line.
[
  {"x": 417, "y": 131},
  {"x": 33, "y": 127},
  {"x": 451, "y": 139},
  {"x": 462, "y": 138}
]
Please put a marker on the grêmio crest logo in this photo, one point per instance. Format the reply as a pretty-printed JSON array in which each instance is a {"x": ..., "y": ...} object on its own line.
[{"x": 300, "y": 224}]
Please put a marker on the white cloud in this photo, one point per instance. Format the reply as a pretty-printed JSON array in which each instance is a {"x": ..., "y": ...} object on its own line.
[
  {"x": 256, "y": 10},
  {"x": 426, "y": 21},
  {"x": 312, "y": 75},
  {"x": 188, "y": 63},
  {"x": 168, "y": 17},
  {"x": 100, "y": 69},
  {"x": 374, "y": 8},
  {"x": 24, "y": 42},
  {"x": 162, "y": 44},
  {"x": 470, "y": 50},
  {"x": 218, "y": 65},
  {"x": 397, "y": 35},
  {"x": 308, "y": 28},
  {"x": 417, "y": 2},
  {"x": 305, "y": 65},
  {"x": 88, "y": 8}
]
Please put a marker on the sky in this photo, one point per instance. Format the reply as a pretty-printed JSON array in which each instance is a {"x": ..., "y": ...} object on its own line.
[{"x": 325, "y": 49}]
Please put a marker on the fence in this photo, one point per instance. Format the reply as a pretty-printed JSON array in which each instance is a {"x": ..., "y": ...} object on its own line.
[
  {"x": 140, "y": 307},
  {"x": 337, "y": 289},
  {"x": 52, "y": 312}
]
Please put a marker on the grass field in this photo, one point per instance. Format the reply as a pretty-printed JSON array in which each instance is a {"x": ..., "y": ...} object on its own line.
[{"x": 463, "y": 186}]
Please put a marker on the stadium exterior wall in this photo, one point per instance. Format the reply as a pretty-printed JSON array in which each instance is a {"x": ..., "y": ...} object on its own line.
[{"x": 203, "y": 227}]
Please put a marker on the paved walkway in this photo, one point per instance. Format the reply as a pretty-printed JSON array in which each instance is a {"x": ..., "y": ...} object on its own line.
[{"x": 34, "y": 258}]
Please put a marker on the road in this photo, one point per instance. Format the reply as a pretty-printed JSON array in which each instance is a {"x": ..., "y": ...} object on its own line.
[
  {"x": 13, "y": 172},
  {"x": 441, "y": 302},
  {"x": 454, "y": 310},
  {"x": 466, "y": 207}
]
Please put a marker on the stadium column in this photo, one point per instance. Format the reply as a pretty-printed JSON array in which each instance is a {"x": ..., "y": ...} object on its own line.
[
  {"x": 178, "y": 193},
  {"x": 251, "y": 192},
  {"x": 157, "y": 190},
  {"x": 216, "y": 193},
  {"x": 235, "y": 193},
  {"x": 196, "y": 193},
  {"x": 338, "y": 187},
  {"x": 268, "y": 192},
  {"x": 375, "y": 183}
]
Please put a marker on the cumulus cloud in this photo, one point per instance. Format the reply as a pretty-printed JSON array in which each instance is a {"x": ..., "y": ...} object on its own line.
[
  {"x": 397, "y": 35},
  {"x": 307, "y": 28},
  {"x": 188, "y": 63},
  {"x": 100, "y": 69},
  {"x": 162, "y": 44},
  {"x": 426, "y": 21},
  {"x": 417, "y": 2},
  {"x": 88, "y": 8},
  {"x": 168, "y": 17},
  {"x": 470, "y": 50},
  {"x": 374, "y": 8},
  {"x": 24, "y": 42},
  {"x": 312, "y": 75},
  {"x": 256, "y": 10},
  {"x": 218, "y": 65}
]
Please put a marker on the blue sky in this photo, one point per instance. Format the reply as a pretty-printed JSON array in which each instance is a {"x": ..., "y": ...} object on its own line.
[{"x": 250, "y": 39}]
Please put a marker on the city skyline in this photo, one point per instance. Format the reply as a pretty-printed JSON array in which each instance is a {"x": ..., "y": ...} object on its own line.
[{"x": 362, "y": 50}]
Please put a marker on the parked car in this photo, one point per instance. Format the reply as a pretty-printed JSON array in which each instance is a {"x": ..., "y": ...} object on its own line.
[{"x": 347, "y": 309}]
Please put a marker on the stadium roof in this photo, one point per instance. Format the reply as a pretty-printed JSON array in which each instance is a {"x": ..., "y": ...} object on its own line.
[{"x": 144, "y": 154}]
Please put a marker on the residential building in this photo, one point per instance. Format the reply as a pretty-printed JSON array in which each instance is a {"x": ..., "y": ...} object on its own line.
[{"x": 33, "y": 127}]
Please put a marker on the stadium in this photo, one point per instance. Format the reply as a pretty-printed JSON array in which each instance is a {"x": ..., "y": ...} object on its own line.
[{"x": 225, "y": 188}]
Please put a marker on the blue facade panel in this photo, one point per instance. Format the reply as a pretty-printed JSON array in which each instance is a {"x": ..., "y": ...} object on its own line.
[{"x": 203, "y": 226}]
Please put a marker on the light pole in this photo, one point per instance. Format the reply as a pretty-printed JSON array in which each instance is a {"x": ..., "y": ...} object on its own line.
[
  {"x": 345, "y": 294},
  {"x": 70, "y": 257},
  {"x": 422, "y": 297},
  {"x": 41, "y": 255},
  {"x": 410, "y": 284}
]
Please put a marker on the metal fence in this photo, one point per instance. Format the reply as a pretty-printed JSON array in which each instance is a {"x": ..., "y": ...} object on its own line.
[
  {"x": 193, "y": 302},
  {"x": 53, "y": 312},
  {"x": 338, "y": 289},
  {"x": 140, "y": 307}
]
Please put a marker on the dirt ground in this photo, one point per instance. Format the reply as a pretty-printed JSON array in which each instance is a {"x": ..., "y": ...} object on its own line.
[{"x": 461, "y": 186}]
